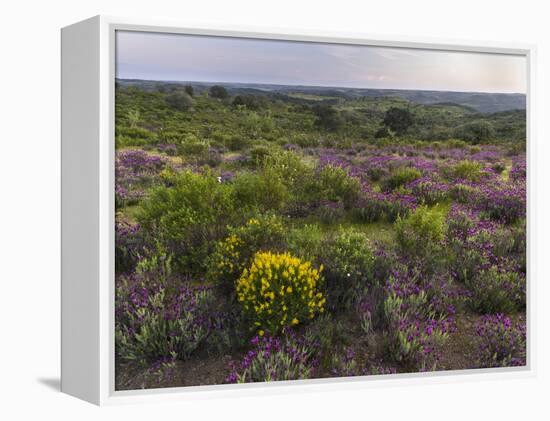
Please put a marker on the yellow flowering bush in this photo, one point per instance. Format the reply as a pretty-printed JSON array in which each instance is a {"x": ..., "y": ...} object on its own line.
[
  {"x": 226, "y": 263},
  {"x": 279, "y": 290}
]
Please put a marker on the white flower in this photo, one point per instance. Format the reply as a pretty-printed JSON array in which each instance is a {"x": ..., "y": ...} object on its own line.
[{"x": 219, "y": 179}]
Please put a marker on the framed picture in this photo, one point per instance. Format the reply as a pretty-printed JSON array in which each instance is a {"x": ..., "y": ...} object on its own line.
[{"x": 244, "y": 210}]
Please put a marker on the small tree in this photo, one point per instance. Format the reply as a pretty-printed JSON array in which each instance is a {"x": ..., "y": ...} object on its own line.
[
  {"x": 249, "y": 101},
  {"x": 398, "y": 120},
  {"x": 328, "y": 118},
  {"x": 218, "y": 91},
  {"x": 179, "y": 100},
  {"x": 189, "y": 90},
  {"x": 476, "y": 131}
]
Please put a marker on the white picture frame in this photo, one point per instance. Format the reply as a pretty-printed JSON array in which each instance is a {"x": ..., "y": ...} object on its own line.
[{"x": 88, "y": 78}]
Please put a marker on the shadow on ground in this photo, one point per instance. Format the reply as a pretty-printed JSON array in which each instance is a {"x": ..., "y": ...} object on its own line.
[{"x": 54, "y": 383}]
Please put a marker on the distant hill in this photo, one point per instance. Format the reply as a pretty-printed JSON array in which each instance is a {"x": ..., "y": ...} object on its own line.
[{"x": 479, "y": 101}]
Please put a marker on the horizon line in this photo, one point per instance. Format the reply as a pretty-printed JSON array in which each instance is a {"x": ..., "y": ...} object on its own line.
[{"x": 318, "y": 86}]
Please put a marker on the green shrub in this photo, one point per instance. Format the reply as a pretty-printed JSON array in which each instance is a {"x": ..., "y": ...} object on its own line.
[
  {"x": 259, "y": 154},
  {"x": 259, "y": 191},
  {"x": 133, "y": 136},
  {"x": 299, "y": 179},
  {"x": 329, "y": 212},
  {"x": 279, "y": 291},
  {"x": 190, "y": 146},
  {"x": 497, "y": 291},
  {"x": 348, "y": 261},
  {"x": 328, "y": 333},
  {"x": 476, "y": 131},
  {"x": 305, "y": 242},
  {"x": 287, "y": 166},
  {"x": 400, "y": 177},
  {"x": 336, "y": 185},
  {"x": 236, "y": 142},
  {"x": 179, "y": 100},
  {"x": 421, "y": 231},
  {"x": 412, "y": 341},
  {"x": 271, "y": 358},
  {"x": 462, "y": 193},
  {"x": 189, "y": 90},
  {"x": 327, "y": 117},
  {"x": 188, "y": 217},
  {"x": 235, "y": 252},
  {"x": 305, "y": 141},
  {"x": 218, "y": 91},
  {"x": 135, "y": 133},
  {"x": 467, "y": 170},
  {"x": 398, "y": 120},
  {"x": 430, "y": 192},
  {"x": 145, "y": 331}
]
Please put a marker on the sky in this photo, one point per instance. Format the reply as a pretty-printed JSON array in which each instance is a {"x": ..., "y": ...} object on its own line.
[{"x": 177, "y": 57}]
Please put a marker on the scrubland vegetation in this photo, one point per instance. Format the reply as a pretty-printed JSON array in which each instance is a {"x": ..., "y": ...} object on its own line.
[{"x": 279, "y": 236}]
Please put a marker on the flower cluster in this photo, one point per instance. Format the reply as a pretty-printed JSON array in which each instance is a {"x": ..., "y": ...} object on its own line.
[
  {"x": 129, "y": 245},
  {"x": 416, "y": 331},
  {"x": 505, "y": 203},
  {"x": 227, "y": 263},
  {"x": 152, "y": 323},
  {"x": 135, "y": 170},
  {"x": 280, "y": 290},
  {"x": 502, "y": 343},
  {"x": 272, "y": 359}
]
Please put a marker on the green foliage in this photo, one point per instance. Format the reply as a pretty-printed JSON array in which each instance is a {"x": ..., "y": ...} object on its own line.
[
  {"x": 262, "y": 191},
  {"x": 462, "y": 193},
  {"x": 189, "y": 90},
  {"x": 275, "y": 359},
  {"x": 398, "y": 120},
  {"x": 421, "y": 231},
  {"x": 336, "y": 185},
  {"x": 383, "y": 133},
  {"x": 479, "y": 131},
  {"x": 328, "y": 332},
  {"x": 327, "y": 117},
  {"x": 134, "y": 118},
  {"x": 250, "y": 102},
  {"x": 467, "y": 170},
  {"x": 133, "y": 136},
  {"x": 497, "y": 291},
  {"x": 409, "y": 342},
  {"x": 400, "y": 177},
  {"x": 188, "y": 217},
  {"x": 235, "y": 252},
  {"x": 235, "y": 142},
  {"x": 306, "y": 241},
  {"x": 348, "y": 261},
  {"x": 148, "y": 334},
  {"x": 192, "y": 146},
  {"x": 156, "y": 264},
  {"x": 259, "y": 154},
  {"x": 179, "y": 100},
  {"x": 219, "y": 92}
]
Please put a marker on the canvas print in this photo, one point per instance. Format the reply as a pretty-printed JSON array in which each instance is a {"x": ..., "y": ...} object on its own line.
[{"x": 298, "y": 210}]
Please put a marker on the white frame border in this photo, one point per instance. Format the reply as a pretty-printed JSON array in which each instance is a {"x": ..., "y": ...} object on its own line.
[{"x": 107, "y": 394}]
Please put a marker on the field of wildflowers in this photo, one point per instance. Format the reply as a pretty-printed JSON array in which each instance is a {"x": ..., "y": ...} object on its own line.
[{"x": 261, "y": 243}]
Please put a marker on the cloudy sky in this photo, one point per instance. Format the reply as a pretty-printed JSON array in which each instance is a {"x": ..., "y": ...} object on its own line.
[{"x": 156, "y": 56}]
